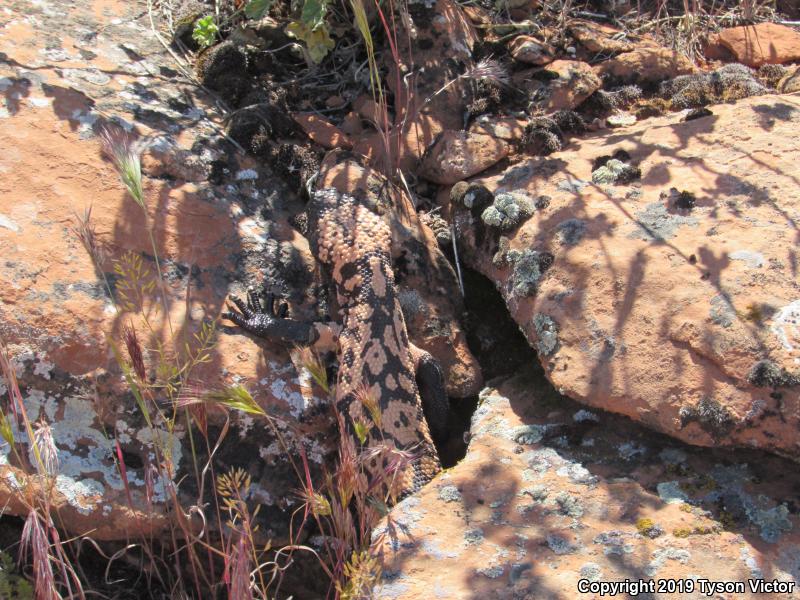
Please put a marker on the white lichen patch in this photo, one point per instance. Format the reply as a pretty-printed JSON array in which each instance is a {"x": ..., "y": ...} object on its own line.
[
  {"x": 246, "y": 175},
  {"x": 671, "y": 492},
  {"x": 7, "y": 223},
  {"x": 786, "y": 327},
  {"x": 753, "y": 260},
  {"x": 86, "y": 466},
  {"x": 283, "y": 378}
]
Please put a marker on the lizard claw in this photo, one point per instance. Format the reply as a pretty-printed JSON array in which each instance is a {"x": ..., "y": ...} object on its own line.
[
  {"x": 258, "y": 316},
  {"x": 245, "y": 310}
]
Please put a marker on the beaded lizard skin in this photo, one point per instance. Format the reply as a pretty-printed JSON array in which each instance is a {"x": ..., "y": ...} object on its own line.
[{"x": 353, "y": 242}]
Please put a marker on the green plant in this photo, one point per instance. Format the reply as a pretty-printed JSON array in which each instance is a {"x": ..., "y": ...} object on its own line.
[
  {"x": 205, "y": 31},
  {"x": 312, "y": 30},
  {"x": 13, "y": 585}
]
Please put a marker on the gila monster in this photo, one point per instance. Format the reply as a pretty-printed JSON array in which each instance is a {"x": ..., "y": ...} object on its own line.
[{"x": 353, "y": 243}]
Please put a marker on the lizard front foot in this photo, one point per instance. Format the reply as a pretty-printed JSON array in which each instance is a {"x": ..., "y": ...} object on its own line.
[{"x": 261, "y": 319}]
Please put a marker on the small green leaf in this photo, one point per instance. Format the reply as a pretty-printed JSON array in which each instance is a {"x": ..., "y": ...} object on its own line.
[
  {"x": 5, "y": 430},
  {"x": 205, "y": 31},
  {"x": 313, "y": 15},
  {"x": 256, "y": 9},
  {"x": 360, "y": 431}
]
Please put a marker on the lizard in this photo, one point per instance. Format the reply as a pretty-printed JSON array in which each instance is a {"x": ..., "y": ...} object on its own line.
[{"x": 352, "y": 242}]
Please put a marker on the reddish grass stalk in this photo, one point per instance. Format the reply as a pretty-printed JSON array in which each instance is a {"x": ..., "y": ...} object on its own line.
[{"x": 34, "y": 542}]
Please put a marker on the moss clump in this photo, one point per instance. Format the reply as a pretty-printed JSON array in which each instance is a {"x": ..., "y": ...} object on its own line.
[
  {"x": 488, "y": 97},
  {"x": 542, "y": 136},
  {"x": 676, "y": 469},
  {"x": 770, "y": 75},
  {"x": 440, "y": 228},
  {"x": 473, "y": 196},
  {"x": 683, "y": 200},
  {"x": 223, "y": 68},
  {"x": 766, "y": 373},
  {"x": 705, "y": 529},
  {"x": 700, "y": 484},
  {"x": 713, "y": 418},
  {"x": 652, "y": 107},
  {"x": 729, "y": 82},
  {"x": 604, "y": 102},
  {"x": 727, "y": 520},
  {"x": 295, "y": 163},
  {"x": 568, "y": 121}
]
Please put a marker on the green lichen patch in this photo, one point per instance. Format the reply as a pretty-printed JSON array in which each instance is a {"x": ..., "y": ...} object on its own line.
[
  {"x": 571, "y": 231},
  {"x": 616, "y": 171},
  {"x": 508, "y": 210},
  {"x": 546, "y": 334},
  {"x": 529, "y": 266},
  {"x": 655, "y": 223}
]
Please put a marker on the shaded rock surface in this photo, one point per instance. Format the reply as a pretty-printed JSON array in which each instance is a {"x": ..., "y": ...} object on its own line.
[
  {"x": 670, "y": 299},
  {"x": 551, "y": 493},
  {"x": 204, "y": 203},
  {"x": 220, "y": 221}
]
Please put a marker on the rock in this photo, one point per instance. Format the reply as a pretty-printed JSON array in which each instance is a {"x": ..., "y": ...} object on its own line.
[
  {"x": 457, "y": 155},
  {"x": 369, "y": 110},
  {"x": 790, "y": 83},
  {"x": 322, "y": 131},
  {"x": 599, "y": 38},
  {"x": 646, "y": 64},
  {"x": 164, "y": 158},
  {"x": 574, "y": 82},
  {"x": 640, "y": 265},
  {"x": 508, "y": 129},
  {"x": 429, "y": 291},
  {"x": 335, "y": 102},
  {"x": 764, "y": 43},
  {"x": 351, "y": 124},
  {"x": 527, "y": 49},
  {"x": 550, "y": 495},
  {"x": 59, "y": 309}
]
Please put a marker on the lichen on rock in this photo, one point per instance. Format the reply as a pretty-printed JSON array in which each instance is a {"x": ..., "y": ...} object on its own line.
[
  {"x": 546, "y": 333},
  {"x": 508, "y": 210}
]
